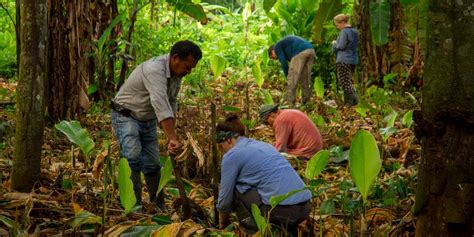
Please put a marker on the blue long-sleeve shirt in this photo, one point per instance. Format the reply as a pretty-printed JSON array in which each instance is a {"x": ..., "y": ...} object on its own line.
[
  {"x": 346, "y": 46},
  {"x": 255, "y": 164},
  {"x": 288, "y": 47}
]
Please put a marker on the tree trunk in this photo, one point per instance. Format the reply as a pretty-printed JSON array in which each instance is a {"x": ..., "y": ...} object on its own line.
[
  {"x": 71, "y": 68},
  {"x": 30, "y": 99},
  {"x": 399, "y": 46},
  {"x": 445, "y": 192},
  {"x": 368, "y": 57}
]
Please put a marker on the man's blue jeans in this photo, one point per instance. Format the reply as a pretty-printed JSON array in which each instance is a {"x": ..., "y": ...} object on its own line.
[{"x": 138, "y": 142}]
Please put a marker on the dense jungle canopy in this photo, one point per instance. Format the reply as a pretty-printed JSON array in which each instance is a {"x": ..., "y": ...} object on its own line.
[{"x": 399, "y": 163}]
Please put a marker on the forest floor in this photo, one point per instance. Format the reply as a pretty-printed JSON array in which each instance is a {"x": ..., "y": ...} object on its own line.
[{"x": 69, "y": 197}]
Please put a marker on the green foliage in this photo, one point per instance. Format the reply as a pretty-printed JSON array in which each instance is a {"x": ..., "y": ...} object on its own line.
[
  {"x": 390, "y": 119},
  {"x": 189, "y": 8},
  {"x": 127, "y": 196},
  {"x": 8, "y": 66},
  {"x": 7, "y": 221},
  {"x": 218, "y": 64},
  {"x": 407, "y": 119},
  {"x": 85, "y": 217},
  {"x": 364, "y": 161},
  {"x": 262, "y": 224},
  {"x": 380, "y": 21},
  {"x": 326, "y": 11},
  {"x": 166, "y": 174},
  {"x": 267, "y": 97},
  {"x": 317, "y": 164},
  {"x": 276, "y": 200},
  {"x": 268, "y": 4},
  {"x": 76, "y": 134},
  {"x": 257, "y": 74},
  {"x": 318, "y": 87},
  {"x": 161, "y": 219},
  {"x": 327, "y": 207}
]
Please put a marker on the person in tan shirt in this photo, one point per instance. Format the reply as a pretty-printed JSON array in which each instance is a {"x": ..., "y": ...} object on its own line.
[{"x": 295, "y": 133}]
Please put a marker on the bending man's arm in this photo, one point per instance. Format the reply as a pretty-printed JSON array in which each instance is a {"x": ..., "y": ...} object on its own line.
[{"x": 168, "y": 127}]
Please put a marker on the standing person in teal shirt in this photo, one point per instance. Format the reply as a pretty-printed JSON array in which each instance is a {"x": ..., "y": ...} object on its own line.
[
  {"x": 300, "y": 55},
  {"x": 345, "y": 47},
  {"x": 251, "y": 173}
]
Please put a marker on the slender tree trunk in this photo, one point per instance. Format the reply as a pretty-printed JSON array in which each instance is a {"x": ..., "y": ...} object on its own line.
[
  {"x": 126, "y": 58},
  {"x": 445, "y": 192},
  {"x": 30, "y": 99}
]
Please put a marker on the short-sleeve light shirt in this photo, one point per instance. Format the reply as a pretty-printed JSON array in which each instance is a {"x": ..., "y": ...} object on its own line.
[{"x": 150, "y": 91}]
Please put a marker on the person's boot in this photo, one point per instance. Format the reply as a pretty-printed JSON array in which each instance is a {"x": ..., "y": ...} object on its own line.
[
  {"x": 350, "y": 99},
  {"x": 152, "y": 181},
  {"x": 137, "y": 185}
]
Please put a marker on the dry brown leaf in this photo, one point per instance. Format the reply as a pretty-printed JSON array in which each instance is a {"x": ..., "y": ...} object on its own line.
[
  {"x": 183, "y": 229},
  {"x": 197, "y": 150},
  {"x": 76, "y": 207},
  {"x": 117, "y": 230},
  {"x": 99, "y": 163},
  {"x": 377, "y": 215}
]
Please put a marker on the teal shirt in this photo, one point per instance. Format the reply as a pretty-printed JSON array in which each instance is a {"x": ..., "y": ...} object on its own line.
[
  {"x": 255, "y": 164},
  {"x": 289, "y": 47}
]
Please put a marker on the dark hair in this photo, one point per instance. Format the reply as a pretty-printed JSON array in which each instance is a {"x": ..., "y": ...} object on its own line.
[
  {"x": 270, "y": 49},
  {"x": 185, "y": 48},
  {"x": 232, "y": 124}
]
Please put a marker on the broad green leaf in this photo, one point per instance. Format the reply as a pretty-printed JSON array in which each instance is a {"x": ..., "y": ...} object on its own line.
[
  {"x": 267, "y": 98},
  {"x": 85, "y": 217},
  {"x": 407, "y": 119},
  {"x": 327, "y": 207},
  {"x": 257, "y": 74},
  {"x": 166, "y": 174},
  {"x": 218, "y": 64},
  {"x": 283, "y": 13},
  {"x": 229, "y": 108},
  {"x": 76, "y": 134},
  {"x": 326, "y": 11},
  {"x": 317, "y": 164},
  {"x": 380, "y": 21},
  {"x": 189, "y": 8},
  {"x": 259, "y": 219},
  {"x": 127, "y": 196},
  {"x": 318, "y": 87},
  {"x": 276, "y": 200},
  {"x": 268, "y": 4},
  {"x": 364, "y": 161},
  {"x": 387, "y": 132},
  {"x": 390, "y": 119}
]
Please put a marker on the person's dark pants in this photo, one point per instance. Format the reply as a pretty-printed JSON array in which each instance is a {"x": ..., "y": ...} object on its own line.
[
  {"x": 344, "y": 78},
  {"x": 285, "y": 216}
]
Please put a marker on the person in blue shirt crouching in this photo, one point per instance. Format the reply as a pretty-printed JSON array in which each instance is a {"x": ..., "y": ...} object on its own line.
[{"x": 253, "y": 171}]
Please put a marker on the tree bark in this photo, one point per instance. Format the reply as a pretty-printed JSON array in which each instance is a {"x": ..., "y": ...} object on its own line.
[
  {"x": 445, "y": 192},
  {"x": 30, "y": 99}
]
